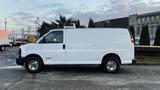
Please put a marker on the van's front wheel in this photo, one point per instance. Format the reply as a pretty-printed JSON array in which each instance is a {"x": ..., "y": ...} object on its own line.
[
  {"x": 33, "y": 64},
  {"x": 111, "y": 65}
]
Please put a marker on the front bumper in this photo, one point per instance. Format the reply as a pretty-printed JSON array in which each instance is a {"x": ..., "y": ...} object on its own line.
[{"x": 20, "y": 61}]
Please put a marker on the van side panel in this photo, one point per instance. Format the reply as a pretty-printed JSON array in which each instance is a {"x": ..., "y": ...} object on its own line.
[{"x": 89, "y": 46}]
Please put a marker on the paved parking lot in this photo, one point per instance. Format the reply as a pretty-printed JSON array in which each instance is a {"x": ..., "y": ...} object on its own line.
[
  {"x": 131, "y": 77},
  {"x": 8, "y": 57}
]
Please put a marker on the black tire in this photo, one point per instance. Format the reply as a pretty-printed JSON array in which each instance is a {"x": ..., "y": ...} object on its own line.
[
  {"x": 2, "y": 48},
  {"x": 111, "y": 65},
  {"x": 31, "y": 64},
  {"x": 10, "y": 44}
]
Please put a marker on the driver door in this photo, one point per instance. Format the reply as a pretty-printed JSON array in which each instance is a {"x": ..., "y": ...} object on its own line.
[{"x": 53, "y": 51}]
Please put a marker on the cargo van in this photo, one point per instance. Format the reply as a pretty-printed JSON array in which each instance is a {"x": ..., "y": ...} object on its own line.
[{"x": 107, "y": 47}]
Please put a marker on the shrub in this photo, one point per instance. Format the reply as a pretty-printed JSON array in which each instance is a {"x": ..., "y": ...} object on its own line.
[
  {"x": 157, "y": 37},
  {"x": 144, "y": 38}
]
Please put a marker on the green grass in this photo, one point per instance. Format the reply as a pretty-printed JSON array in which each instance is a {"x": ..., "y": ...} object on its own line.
[{"x": 147, "y": 59}]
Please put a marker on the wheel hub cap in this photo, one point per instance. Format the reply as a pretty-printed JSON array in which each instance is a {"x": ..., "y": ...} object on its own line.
[
  {"x": 33, "y": 65},
  {"x": 111, "y": 65}
]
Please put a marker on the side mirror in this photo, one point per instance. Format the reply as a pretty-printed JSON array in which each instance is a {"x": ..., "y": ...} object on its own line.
[{"x": 43, "y": 40}]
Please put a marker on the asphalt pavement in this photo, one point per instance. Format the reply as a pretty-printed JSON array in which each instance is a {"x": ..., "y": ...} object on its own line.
[{"x": 131, "y": 77}]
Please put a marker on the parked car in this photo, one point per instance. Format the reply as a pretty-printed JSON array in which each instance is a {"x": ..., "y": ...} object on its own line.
[
  {"x": 106, "y": 47},
  {"x": 20, "y": 41}
]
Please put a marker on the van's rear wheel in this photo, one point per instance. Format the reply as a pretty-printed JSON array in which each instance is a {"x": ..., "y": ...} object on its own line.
[
  {"x": 10, "y": 44},
  {"x": 111, "y": 65},
  {"x": 33, "y": 64}
]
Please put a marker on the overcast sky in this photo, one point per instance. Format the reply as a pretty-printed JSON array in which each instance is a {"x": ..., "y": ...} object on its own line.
[{"x": 23, "y": 13}]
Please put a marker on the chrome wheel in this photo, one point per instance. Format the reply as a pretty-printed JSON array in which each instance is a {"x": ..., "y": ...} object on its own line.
[
  {"x": 10, "y": 44},
  {"x": 33, "y": 65},
  {"x": 111, "y": 65}
]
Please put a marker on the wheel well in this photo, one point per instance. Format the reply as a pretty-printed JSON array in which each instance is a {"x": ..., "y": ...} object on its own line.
[
  {"x": 111, "y": 55},
  {"x": 35, "y": 55}
]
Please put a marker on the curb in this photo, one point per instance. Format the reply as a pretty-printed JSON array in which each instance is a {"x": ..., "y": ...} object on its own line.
[{"x": 150, "y": 63}]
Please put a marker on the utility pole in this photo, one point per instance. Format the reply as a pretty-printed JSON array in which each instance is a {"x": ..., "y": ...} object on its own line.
[
  {"x": 22, "y": 35},
  {"x": 22, "y": 32},
  {"x": 37, "y": 23},
  {"x": 29, "y": 30},
  {"x": 5, "y": 24},
  {"x": 13, "y": 35},
  {"x": 37, "y": 27}
]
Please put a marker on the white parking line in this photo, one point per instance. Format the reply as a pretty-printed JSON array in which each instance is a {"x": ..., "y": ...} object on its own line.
[{"x": 11, "y": 67}]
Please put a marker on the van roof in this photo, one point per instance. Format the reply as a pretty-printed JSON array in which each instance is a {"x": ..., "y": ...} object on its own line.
[{"x": 91, "y": 29}]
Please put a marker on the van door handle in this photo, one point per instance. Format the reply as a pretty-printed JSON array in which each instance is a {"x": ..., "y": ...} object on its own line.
[{"x": 64, "y": 46}]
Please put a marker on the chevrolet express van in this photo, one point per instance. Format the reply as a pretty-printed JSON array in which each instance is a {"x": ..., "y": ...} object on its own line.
[{"x": 107, "y": 47}]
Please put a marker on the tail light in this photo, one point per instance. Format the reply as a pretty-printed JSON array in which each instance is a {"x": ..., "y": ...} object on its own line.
[{"x": 132, "y": 38}]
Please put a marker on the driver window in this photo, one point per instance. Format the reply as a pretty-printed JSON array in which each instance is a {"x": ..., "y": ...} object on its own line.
[{"x": 54, "y": 37}]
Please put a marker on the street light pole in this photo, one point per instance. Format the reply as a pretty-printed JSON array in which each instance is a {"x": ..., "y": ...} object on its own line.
[
  {"x": 5, "y": 24},
  {"x": 23, "y": 35},
  {"x": 37, "y": 27},
  {"x": 28, "y": 30}
]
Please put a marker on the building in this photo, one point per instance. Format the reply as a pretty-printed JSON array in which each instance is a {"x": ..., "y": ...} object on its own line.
[
  {"x": 152, "y": 20},
  {"x": 114, "y": 23}
]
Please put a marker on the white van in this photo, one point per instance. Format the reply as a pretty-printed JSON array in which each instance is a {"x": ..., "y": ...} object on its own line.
[
  {"x": 5, "y": 39},
  {"x": 107, "y": 47}
]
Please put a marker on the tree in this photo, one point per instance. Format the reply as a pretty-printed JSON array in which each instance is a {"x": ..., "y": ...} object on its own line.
[
  {"x": 157, "y": 37},
  {"x": 53, "y": 25},
  {"x": 91, "y": 23},
  {"x": 144, "y": 38},
  {"x": 63, "y": 21},
  {"x": 77, "y": 23},
  {"x": 132, "y": 31},
  {"x": 43, "y": 29}
]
